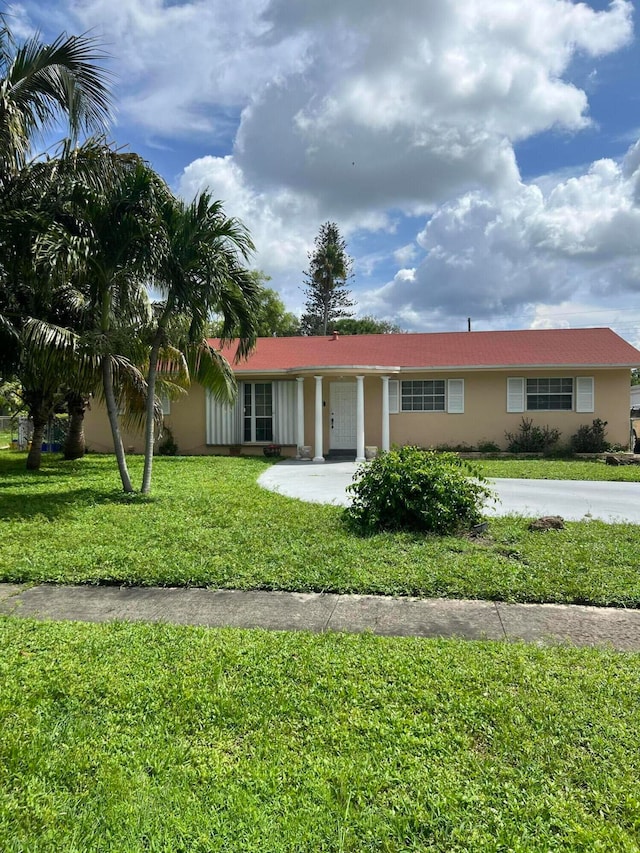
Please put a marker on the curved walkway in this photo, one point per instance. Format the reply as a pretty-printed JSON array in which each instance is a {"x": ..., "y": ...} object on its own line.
[{"x": 574, "y": 500}]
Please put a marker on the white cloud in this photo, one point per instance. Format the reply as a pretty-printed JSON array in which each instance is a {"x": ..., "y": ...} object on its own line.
[
  {"x": 407, "y": 105},
  {"x": 366, "y": 105},
  {"x": 19, "y": 21},
  {"x": 183, "y": 66},
  {"x": 495, "y": 257},
  {"x": 405, "y": 254}
]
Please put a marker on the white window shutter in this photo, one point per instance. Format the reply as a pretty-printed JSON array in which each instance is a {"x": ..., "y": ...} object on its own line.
[
  {"x": 284, "y": 411},
  {"x": 224, "y": 423},
  {"x": 394, "y": 396},
  {"x": 165, "y": 402},
  {"x": 584, "y": 394},
  {"x": 515, "y": 394},
  {"x": 455, "y": 396}
]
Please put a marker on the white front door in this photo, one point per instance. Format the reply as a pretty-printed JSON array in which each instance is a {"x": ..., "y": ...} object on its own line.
[{"x": 342, "y": 425}]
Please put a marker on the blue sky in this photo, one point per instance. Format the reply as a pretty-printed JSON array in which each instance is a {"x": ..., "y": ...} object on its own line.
[{"x": 481, "y": 157}]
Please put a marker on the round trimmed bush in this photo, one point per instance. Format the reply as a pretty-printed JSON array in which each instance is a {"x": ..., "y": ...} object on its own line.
[{"x": 418, "y": 490}]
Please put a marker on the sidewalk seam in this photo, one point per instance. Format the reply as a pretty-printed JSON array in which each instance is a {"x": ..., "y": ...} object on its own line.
[
  {"x": 499, "y": 615},
  {"x": 325, "y": 627}
]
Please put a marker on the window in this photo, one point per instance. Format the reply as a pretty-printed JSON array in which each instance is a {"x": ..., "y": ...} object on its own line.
[
  {"x": 423, "y": 395},
  {"x": 549, "y": 394},
  {"x": 258, "y": 411}
]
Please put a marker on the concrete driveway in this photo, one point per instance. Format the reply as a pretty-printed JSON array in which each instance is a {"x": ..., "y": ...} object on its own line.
[{"x": 574, "y": 500}]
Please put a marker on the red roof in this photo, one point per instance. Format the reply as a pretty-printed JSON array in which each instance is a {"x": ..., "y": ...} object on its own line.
[{"x": 442, "y": 350}]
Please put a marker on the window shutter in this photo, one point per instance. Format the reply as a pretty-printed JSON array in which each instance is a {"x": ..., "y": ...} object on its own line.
[
  {"x": 455, "y": 396},
  {"x": 284, "y": 411},
  {"x": 584, "y": 394},
  {"x": 165, "y": 402},
  {"x": 515, "y": 394},
  {"x": 394, "y": 396},
  {"x": 223, "y": 423}
]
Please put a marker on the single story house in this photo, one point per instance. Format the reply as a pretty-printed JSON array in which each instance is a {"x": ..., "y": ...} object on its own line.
[{"x": 338, "y": 394}]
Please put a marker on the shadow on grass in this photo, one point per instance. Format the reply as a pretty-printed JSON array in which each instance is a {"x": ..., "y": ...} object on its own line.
[
  {"x": 49, "y": 493},
  {"x": 55, "y": 504}
]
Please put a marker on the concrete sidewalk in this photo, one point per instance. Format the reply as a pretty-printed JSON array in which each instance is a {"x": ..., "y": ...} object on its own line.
[{"x": 319, "y": 612}]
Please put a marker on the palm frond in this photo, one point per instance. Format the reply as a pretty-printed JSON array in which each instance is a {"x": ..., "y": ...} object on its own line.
[
  {"x": 45, "y": 80},
  {"x": 209, "y": 368}
]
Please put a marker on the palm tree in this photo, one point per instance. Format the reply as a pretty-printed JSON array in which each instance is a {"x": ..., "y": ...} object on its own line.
[
  {"x": 35, "y": 207},
  {"x": 203, "y": 272},
  {"x": 111, "y": 242},
  {"x": 40, "y": 84}
]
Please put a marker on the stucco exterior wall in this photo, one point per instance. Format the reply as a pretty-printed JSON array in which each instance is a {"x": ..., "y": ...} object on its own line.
[
  {"x": 485, "y": 410},
  {"x": 485, "y": 414},
  {"x": 186, "y": 421}
]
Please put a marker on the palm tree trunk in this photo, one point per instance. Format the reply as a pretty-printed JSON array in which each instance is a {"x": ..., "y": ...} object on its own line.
[
  {"x": 75, "y": 446},
  {"x": 149, "y": 435},
  {"x": 39, "y": 418},
  {"x": 112, "y": 412}
]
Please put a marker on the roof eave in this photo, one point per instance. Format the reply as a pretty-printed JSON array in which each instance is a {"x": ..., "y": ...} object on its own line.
[{"x": 430, "y": 368}]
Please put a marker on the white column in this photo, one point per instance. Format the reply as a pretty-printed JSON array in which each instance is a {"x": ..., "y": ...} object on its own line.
[
  {"x": 300, "y": 421},
  {"x": 385, "y": 413},
  {"x": 359, "y": 418},
  {"x": 318, "y": 457}
]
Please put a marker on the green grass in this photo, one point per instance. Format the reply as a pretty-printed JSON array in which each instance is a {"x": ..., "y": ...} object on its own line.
[
  {"x": 5, "y": 439},
  {"x": 557, "y": 469},
  {"x": 153, "y": 738},
  {"x": 209, "y": 524}
]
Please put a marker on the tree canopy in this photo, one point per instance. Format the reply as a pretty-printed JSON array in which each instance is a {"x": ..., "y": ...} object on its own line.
[
  {"x": 366, "y": 325},
  {"x": 271, "y": 318}
]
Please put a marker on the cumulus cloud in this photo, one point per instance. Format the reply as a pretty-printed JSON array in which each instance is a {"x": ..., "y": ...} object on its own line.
[
  {"x": 491, "y": 257},
  {"x": 403, "y": 106},
  {"x": 364, "y": 104},
  {"x": 183, "y": 68},
  {"x": 282, "y": 223}
]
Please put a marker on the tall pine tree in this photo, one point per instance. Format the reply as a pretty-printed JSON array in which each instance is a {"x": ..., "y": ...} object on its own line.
[{"x": 329, "y": 270}]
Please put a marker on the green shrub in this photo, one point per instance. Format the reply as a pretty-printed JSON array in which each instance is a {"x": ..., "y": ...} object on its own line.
[
  {"x": 531, "y": 439},
  {"x": 485, "y": 446},
  {"x": 167, "y": 446},
  {"x": 590, "y": 439},
  {"x": 418, "y": 490},
  {"x": 462, "y": 447}
]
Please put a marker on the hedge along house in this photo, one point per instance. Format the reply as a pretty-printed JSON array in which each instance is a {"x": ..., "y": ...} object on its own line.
[{"x": 338, "y": 394}]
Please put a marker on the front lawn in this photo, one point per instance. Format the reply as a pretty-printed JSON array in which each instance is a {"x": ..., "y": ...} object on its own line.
[
  {"x": 137, "y": 738},
  {"x": 557, "y": 469},
  {"x": 209, "y": 524}
]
